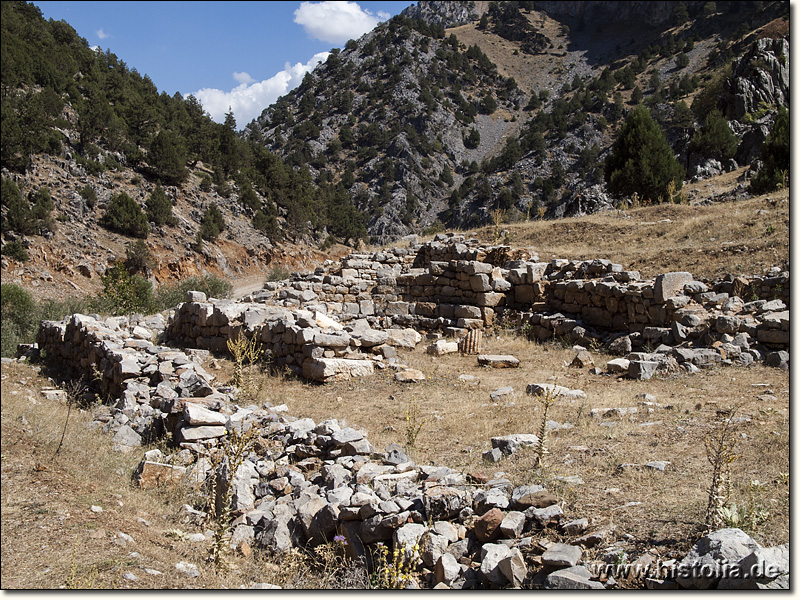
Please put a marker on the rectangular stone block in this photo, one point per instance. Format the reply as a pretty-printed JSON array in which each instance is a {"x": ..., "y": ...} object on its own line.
[{"x": 489, "y": 299}]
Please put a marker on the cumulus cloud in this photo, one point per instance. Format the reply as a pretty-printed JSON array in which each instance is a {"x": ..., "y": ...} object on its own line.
[
  {"x": 336, "y": 22},
  {"x": 102, "y": 34},
  {"x": 243, "y": 77},
  {"x": 250, "y": 97}
]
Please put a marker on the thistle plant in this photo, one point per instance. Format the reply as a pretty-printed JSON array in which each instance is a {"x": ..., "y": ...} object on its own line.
[
  {"x": 547, "y": 399},
  {"x": 245, "y": 353},
  {"x": 233, "y": 454},
  {"x": 720, "y": 445},
  {"x": 414, "y": 423}
]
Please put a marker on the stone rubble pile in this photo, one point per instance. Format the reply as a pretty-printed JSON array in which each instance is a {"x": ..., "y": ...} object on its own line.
[{"x": 305, "y": 483}]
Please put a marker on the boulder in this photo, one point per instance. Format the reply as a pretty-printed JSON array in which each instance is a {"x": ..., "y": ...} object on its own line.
[
  {"x": 409, "y": 376},
  {"x": 670, "y": 284},
  {"x": 701, "y": 568},
  {"x": 513, "y": 567},
  {"x": 498, "y": 361},
  {"x": 149, "y": 475},
  {"x": 572, "y": 578},
  {"x": 487, "y": 527},
  {"x": 491, "y": 556},
  {"x": 336, "y": 369},
  {"x": 561, "y": 555}
]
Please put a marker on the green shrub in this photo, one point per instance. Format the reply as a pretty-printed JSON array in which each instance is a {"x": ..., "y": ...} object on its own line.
[
  {"x": 159, "y": 208},
  {"x": 205, "y": 183},
  {"x": 266, "y": 223},
  {"x": 124, "y": 215},
  {"x": 31, "y": 216},
  {"x": 249, "y": 198},
  {"x": 18, "y": 316},
  {"x": 774, "y": 174},
  {"x": 89, "y": 195},
  {"x": 212, "y": 224},
  {"x": 125, "y": 294},
  {"x": 138, "y": 258},
  {"x": 473, "y": 139},
  {"x": 170, "y": 295},
  {"x": 15, "y": 250},
  {"x": 715, "y": 138},
  {"x": 281, "y": 273}
]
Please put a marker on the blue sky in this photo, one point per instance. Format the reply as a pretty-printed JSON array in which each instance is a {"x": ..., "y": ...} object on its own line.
[{"x": 242, "y": 55}]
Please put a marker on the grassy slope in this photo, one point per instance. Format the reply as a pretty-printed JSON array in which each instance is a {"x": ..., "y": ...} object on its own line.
[{"x": 743, "y": 237}]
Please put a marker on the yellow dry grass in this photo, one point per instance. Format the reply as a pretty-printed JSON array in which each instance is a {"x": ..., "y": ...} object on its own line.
[{"x": 460, "y": 419}]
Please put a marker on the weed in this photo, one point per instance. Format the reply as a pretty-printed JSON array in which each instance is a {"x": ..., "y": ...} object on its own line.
[
  {"x": 413, "y": 423},
  {"x": 245, "y": 353},
  {"x": 546, "y": 400},
  {"x": 498, "y": 215},
  {"x": 397, "y": 574},
  {"x": 720, "y": 444},
  {"x": 336, "y": 569},
  {"x": 278, "y": 273},
  {"x": 76, "y": 581},
  {"x": 743, "y": 517},
  {"x": 75, "y": 391},
  {"x": 234, "y": 451}
]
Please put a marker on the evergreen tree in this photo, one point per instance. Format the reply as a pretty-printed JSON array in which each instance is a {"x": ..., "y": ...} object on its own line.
[
  {"x": 715, "y": 138},
  {"x": 473, "y": 139},
  {"x": 159, "y": 208},
  {"x": 124, "y": 215},
  {"x": 212, "y": 223},
  {"x": 228, "y": 146},
  {"x": 167, "y": 157},
  {"x": 774, "y": 173},
  {"x": 641, "y": 161}
]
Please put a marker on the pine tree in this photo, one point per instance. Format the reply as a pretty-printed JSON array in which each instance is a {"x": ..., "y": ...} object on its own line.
[
  {"x": 641, "y": 160},
  {"x": 159, "y": 208},
  {"x": 774, "y": 173},
  {"x": 212, "y": 224},
  {"x": 228, "y": 146},
  {"x": 167, "y": 157},
  {"x": 715, "y": 138}
]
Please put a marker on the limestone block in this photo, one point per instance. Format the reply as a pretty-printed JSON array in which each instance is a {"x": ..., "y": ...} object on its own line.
[
  {"x": 670, "y": 284},
  {"x": 336, "y": 369}
]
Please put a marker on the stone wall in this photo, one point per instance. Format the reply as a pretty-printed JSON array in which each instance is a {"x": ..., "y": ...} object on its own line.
[
  {"x": 453, "y": 284},
  {"x": 307, "y": 341}
]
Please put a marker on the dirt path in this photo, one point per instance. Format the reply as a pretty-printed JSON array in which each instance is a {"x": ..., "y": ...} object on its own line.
[{"x": 247, "y": 285}]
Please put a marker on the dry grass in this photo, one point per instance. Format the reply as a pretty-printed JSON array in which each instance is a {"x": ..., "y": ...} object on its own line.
[
  {"x": 743, "y": 237},
  {"x": 46, "y": 500},
  {"x": 460, "y": 419}
]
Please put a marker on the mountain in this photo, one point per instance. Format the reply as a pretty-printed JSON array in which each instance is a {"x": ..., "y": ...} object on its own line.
[
  {"x": 452, "y": 114},
  {"x": 455, "y": 113},
  {"x": 94, "y": 158}
]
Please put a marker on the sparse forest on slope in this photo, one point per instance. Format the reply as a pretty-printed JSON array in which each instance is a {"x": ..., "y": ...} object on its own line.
[
  {"x": 425, "y": 130},
  {"x": 87, "y": 141}
]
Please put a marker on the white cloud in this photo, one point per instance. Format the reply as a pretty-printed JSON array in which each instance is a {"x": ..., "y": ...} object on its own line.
[
  {"x": 102, "y": 34},
  {"x": 249, "y": 98},
  {"x": 336, "y": 22},
  {"x": 243, "y": 77}
]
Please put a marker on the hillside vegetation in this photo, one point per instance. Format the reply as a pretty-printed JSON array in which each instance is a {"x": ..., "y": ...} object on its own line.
[{"x": 455, "y": 115}]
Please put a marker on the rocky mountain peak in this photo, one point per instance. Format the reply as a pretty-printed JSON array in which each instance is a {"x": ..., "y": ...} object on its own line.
[{"x": 446, "y": 14}]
